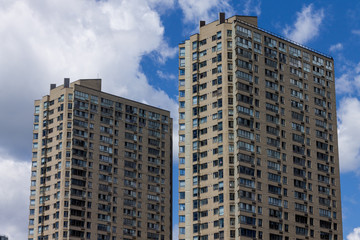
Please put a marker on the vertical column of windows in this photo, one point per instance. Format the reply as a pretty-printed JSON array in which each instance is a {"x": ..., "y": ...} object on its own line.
[
  {"x": 34, "y": 172},
  {"x": 182, "y": 100}
]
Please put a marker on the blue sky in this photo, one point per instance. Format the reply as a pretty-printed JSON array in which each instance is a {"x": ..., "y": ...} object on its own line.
[{"x": 132, "y": 43}]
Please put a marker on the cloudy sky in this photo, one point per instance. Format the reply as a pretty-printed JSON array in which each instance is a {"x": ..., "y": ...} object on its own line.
[{"x": 132, "y": 43}]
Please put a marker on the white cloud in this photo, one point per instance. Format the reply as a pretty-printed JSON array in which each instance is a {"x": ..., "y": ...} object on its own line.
[
  {"x": 307, "y": 25},
  {"x": 357, "y": 68},
  {"x": 161, "y": 5},
  {"x": 356, "y": 32},
  {"x": 349, "y": 81},
  {"x": 164, "y": 52},
  {"x": 206, "y": 10},
  {"x": 343, "y": 84},
  {"x": 14, "y": 197},
  {"x": 349, "y": 134},
  {"x": 354, "y": 235},
  {"x": 336, "y": 47},
  {"x": 252, "y": 7},
  {"x": 175, "y": 233},
  {"x": 43, "y": 42},
  {"x": 163, "y": 75}
]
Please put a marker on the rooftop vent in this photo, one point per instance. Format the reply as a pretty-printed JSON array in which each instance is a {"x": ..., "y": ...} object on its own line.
[
  {"x": 222, "y": 17},
  {"x": 66, "y": 82}
]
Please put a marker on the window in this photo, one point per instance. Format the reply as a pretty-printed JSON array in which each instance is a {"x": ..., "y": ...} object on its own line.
[
  {"x": 182, "y": 93},
  {"x": 195, "y": 123},
  {"x": 202, "y": 53},
  {"x": 275, "y": 201},
  {"x": 294, "y": 51},
  {"x": 270, "y": 52},
  {"x": 273, "y": 153},
  {"x": 182, "y": 115},
  {"x": 182, "y": 195},
  {"x": 245, "y": 110},
  {"x": 244, "y": 64},
  {"x": 182, "y": 207},
  {"x": 244, "y": 76},
  {"x": 182, "y": 104},
  {"x": 182, "y": 62},
  {"x": 195, "y": 56},
  {"x": 245, "y": 146},
  {"x": 182, "y": 52},
  {"x": 306, "y": 67},
  {"x": 257, "y": 37},
  {"x": 218, "y": 35},
  {"x": 296, "y": 94},
  {"x": 244, "y": 31}
]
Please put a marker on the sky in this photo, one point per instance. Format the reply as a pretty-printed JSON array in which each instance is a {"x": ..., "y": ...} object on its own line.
[{"x": 132, "y": 43}]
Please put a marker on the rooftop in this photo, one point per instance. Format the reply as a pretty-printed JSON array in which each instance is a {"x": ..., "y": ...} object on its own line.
[{"x": 251, "y": 21}]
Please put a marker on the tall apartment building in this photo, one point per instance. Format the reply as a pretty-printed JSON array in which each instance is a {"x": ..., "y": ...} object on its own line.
[
  {"x": 258, "y": 145},
  {"x": 3, "y": 237},
  {"x": 101, "y": 166}
]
